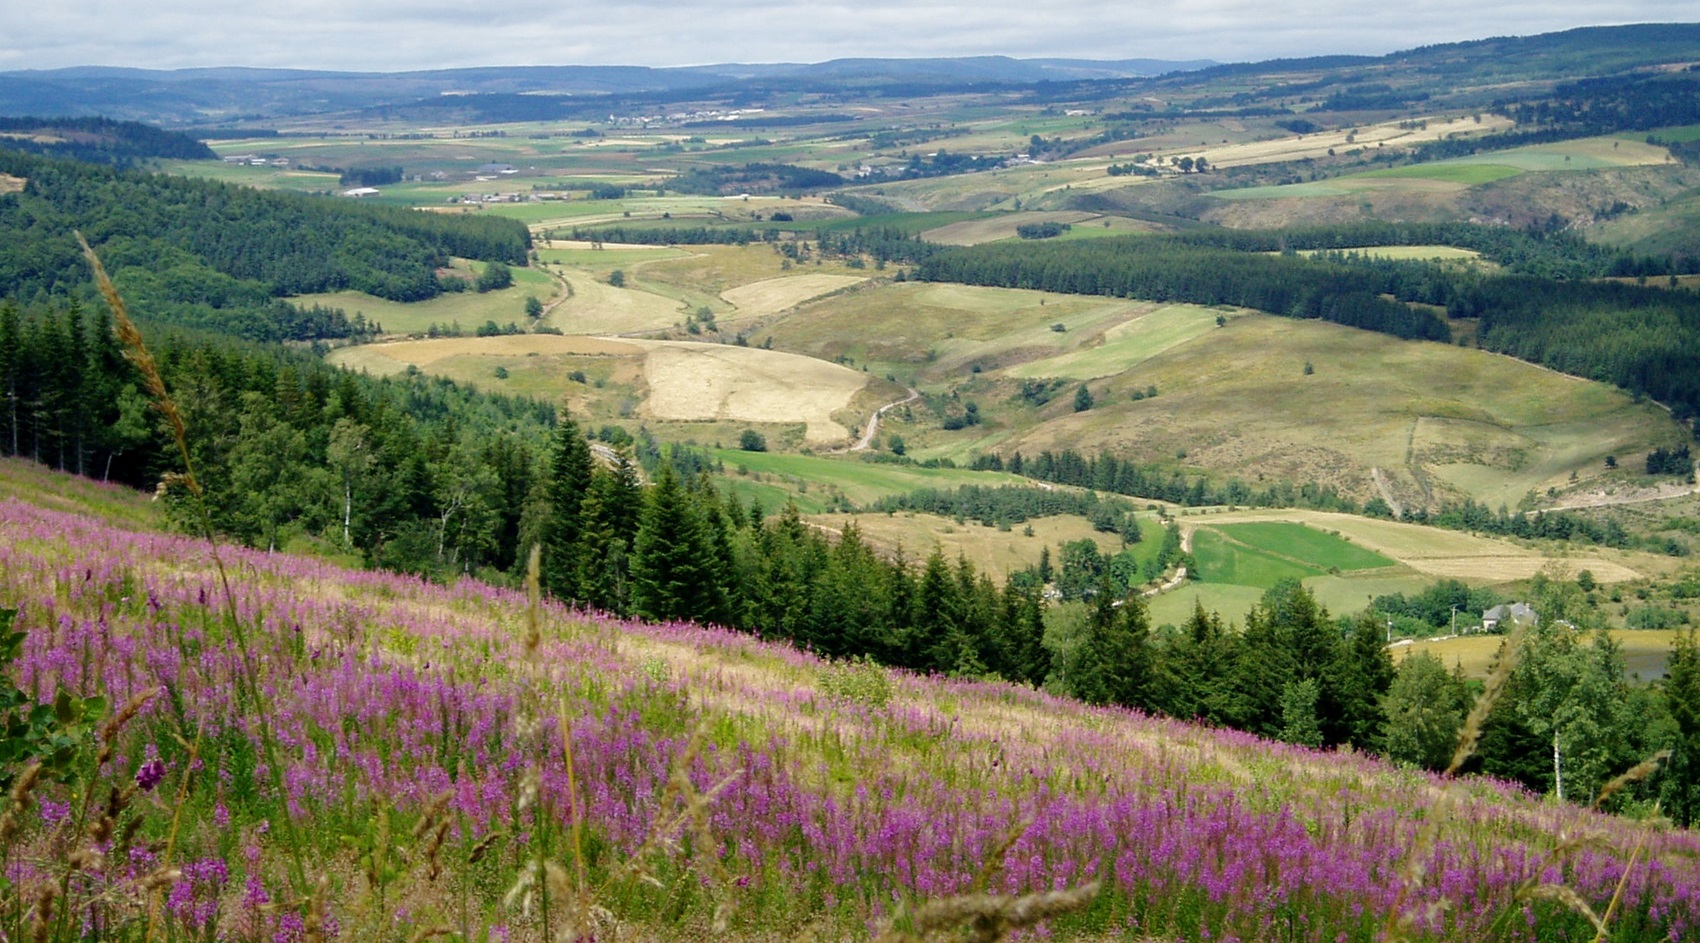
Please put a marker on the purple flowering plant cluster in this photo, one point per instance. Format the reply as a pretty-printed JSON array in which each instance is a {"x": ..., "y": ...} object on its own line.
[{"x": 426, "y": 754}]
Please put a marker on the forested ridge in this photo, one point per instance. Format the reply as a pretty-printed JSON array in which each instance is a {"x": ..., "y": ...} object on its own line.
[
  {"x": 99, "y": 140},
  {"x": 218, "y": 256}
]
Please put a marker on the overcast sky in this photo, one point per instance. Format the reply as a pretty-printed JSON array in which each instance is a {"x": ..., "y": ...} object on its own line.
[{"x": 401, "y": 35}]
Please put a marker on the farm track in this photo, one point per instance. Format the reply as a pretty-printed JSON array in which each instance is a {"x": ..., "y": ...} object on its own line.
[{"x": 873, "y": 428}]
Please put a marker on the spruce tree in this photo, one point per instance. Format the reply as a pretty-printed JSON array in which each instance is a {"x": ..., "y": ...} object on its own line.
[
  {"x": 669, "y": 557},
  {"x": 563, "y": 527}
]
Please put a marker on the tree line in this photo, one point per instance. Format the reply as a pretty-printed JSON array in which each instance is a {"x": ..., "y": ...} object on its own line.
[{"x": 1161, "y": 269}]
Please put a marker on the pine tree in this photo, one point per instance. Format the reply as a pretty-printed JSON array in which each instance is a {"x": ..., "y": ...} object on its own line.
[
  {"x": 1112, "y": 664},
  {"x": 11, "y": 375}
]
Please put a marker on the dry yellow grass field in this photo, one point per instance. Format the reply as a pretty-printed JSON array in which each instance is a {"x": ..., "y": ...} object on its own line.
[
  {"x": 1388, "y": 134},
  {"x": 385, "y": 359},
  {"x": 597, "y": 307},
  {"x": 1644, "y": 651},
  {"x": 678, "y": 381},
  {"x": 773, "y": 295},
  {"x": 715, "y": 381},
  {"x": 9, "y": 184},
  {"x": 1238, "y": 400},
  {"x": 989, "y": 549}
]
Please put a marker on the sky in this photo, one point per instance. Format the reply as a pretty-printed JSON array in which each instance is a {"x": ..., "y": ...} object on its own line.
[{"x": 406, "y": 35}]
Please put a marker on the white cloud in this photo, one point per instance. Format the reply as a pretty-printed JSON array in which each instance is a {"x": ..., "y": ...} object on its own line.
[{"x": 393, "y": 35}]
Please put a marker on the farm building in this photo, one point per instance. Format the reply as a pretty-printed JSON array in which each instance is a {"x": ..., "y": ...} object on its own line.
[{"x": 1517, "y": 613}]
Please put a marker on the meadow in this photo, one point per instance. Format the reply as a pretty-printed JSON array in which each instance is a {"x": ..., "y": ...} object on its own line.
[{"x": 458, "y": 761}]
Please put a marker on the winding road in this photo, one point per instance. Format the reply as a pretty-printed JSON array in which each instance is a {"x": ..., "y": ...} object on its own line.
[{"x": 873, "y": 429}]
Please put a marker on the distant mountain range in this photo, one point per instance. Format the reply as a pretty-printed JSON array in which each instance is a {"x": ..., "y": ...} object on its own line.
[
  {"x": 1468, "y": 74},
  {"x": 186, "y": 97}
]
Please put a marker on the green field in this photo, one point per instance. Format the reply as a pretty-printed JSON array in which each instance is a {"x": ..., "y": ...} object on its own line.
[
  {"x": 1469, "y": 174},
  {"x": 1296, "y": 541},
  {"x": 1221, "y": 560}
]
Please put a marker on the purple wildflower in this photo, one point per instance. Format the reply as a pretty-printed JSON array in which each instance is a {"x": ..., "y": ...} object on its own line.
[{"x": 151, "y": 774}]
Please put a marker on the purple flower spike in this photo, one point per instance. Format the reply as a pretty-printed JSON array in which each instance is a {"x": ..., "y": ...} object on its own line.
[{"x": 151, "y": 774}]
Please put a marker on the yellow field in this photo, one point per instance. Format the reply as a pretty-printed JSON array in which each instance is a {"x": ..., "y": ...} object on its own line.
[
  {"x": 999, "y": 553},
  {"x": 1310, "y": 146},
  {"x": 9, "y": 184},
  {"x": 1644, "y": 651},
  {"x": 597, "y": 307},
  {"x": 718, "y": 381},
  {"x": 773, "y": 295},
  {"x": 678, "y": 382}
]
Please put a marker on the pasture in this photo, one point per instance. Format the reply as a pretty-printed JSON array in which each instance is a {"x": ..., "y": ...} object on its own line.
[
  {"x": 772, "y": 295},
  {"x": 1238, "y": 402},
  {"x": 467, "y": 309},
  {"x": 1128, "y": 344},
  {"x": 1475, "y": 170},
  {"x": 862, "y": 482}
]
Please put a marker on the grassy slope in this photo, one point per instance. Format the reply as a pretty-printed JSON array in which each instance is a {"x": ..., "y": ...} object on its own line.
[
  {"x": 1234, "y": 400},
  {"x": 833, "y": 805}
]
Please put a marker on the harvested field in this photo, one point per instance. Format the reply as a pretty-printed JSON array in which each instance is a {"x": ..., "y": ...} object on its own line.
[
  {"x": 597, "y": 307},
  {"x": 713, "y": 381},
  {"x": 685, "y": 382},
  {"x": 1300, "y": 147},
  {"x": 10, "y": 184},
  {"x": 773, "y": 295},
  {"x": 384, "y": 359}
]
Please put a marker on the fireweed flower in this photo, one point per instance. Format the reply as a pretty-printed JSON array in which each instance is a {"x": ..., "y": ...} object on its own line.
[{"x": 150, "y": 775}]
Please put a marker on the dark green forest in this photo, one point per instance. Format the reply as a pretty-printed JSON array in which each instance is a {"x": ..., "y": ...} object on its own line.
[
  {"x": 216, "y": 256},
  {"x": 99, "y": 140}
]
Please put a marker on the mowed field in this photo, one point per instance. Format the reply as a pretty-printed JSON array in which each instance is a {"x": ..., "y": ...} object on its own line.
[
  {"x": 919, "y": 329},
  {"x": 674, "y": 381}
]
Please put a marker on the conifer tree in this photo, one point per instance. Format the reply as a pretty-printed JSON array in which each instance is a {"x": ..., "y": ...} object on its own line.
[
  {"x": 563, "y": 528},
  {"x": 670, "y": 572}
]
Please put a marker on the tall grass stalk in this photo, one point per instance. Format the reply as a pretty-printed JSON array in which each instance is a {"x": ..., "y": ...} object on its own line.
[{"x": 136, "y": 351}]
